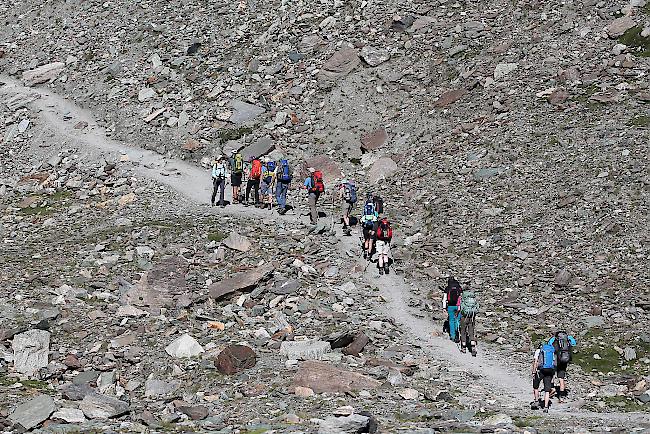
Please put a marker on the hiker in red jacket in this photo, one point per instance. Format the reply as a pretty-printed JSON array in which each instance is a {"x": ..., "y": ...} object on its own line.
[{"x": 315, "y": 187}]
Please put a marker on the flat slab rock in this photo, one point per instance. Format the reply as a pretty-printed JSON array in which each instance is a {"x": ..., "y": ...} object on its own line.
[
  {"x": 240, "y": 281},
  {"x": 244, "y": 112},
  {"x": 43, "y": 73},
  {"x": 31, "y": 350},
  {"x": 33, "y": 412},
  {"x": 323, "y": 377},
  {"x": 164, "y": 285},
  {"x": 96, "y": 406},
  {"x": 304, "y": 350}
]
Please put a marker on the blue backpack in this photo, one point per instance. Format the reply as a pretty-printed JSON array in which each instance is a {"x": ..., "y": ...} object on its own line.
[
  {"x": 369, "y": 216},
  {"x": 285, "y": 174},
  {"x": 547, "y": 358},
  {"x": 270, "y": 168},
  {"x": 350, "y": 192}
]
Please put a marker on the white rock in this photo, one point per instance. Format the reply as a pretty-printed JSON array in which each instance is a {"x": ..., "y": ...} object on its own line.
[
  {"x": 43, "y": 74},
  {"x": 304, "y": 350},
  {"x": 504, "y": 69},
  {"x": 184, "y": 346},
  {"x": 498, "y": 419},
  {"x": 409, "y": 394},
  {"x": 31, "y": 350},
  {"x": 69, "y": 415},
  {"x": 146, "y": 94},
  {"x": 130, "y": 311}
]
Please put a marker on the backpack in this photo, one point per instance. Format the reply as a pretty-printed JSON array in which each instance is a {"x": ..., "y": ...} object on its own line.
[
  {"x": 270, "y": 168},
  {"x": 285, "y": 172},
  {"x": 384, "y": 231},
  {"x": 547, "y": 358},
  {"x": 379, "y": 204},
  {"x": 562, "y": 347},
  {"x": 350, "y": 192},
  {"x": 469, "y": 306},
  {"x": 317, "y": 185},
  {"x": 368, "y": 214},
  {"x": 239, "y": 164},
  {"x": 453, "y": 294},
  {"x": 256, "y": 169},
  {"x": 221, "y": 171}
]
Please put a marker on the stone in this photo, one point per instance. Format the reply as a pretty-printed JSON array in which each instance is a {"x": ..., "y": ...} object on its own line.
[
  {"x": 244, "y": 112},
  {"x": 357, "y": 345},
  {"x": 303, "y": 392},
  {"x": 33, "y": 412},
  {"x": 130, "y": 311},
  {"x": 72, "y": 362},
  {"x": 75, "y": 392},
  {"x": 286, "y": 287},
  {"x": 382, "y": 170},
  {"x": 261, "y": 147},
  {"x": 304, "y": 350},
  {"x": 409, "y": 394},
  {"x": 96, "y": 406},
  {"x": 43, "y": 74},
  {"x": 462, "y": 416},
  {"x": 146, "y": 94},
  {"x": 619, "y": 26},
  {"x": 235, "y": 358},
  {"x": 323, "y": 377},
  {"x": 562, "y": 278},
  {"x": 237, "y": 242},
  {"x": 240, "y": 281},
  {"x": 487, "y": 173},
  {"x": 498, "y": 419},
  {"x": 339, "y": 65},
  {"x": 31, "y": 350},
  {"x": 191, "y": 145},
  {"x": 195, "y": 412},
  {"x": 354, "y": 423},
  {"x": 504, "y": 69},
  {"x": 629, "y": 353},
  {"x": 374, "y": 56},
  {"x": 157, "y": 388},
  {"x": 644, "y": 397},
  {"x": 164, "y": 285},
  {"x": 184, "y": 346},
  {"x": 69, "y": 415},
  {"x": 374, "y": 140},
  {"x": 449, "y": 98}
]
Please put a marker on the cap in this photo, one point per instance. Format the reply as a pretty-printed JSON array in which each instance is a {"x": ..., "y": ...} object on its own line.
[
  {"x": 311, "y": 169},
  {"x": 233, "y": 152}
]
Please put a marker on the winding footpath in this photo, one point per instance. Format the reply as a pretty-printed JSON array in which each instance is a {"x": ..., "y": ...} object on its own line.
[{"x": 194, "y": 184}]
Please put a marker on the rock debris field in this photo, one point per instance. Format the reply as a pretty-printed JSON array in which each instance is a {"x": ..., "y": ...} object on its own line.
[{"x": 509, "y": 140}]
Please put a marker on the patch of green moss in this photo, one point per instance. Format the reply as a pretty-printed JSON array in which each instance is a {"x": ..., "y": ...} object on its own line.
[
  {"x": 217, "y": 236},
  {"x": 639, "y": 121},
  {"x": 233, "y": 134},
  {"x": 37, "y": 211},
  {"x": 608, "y": 362},
  {"x": 34, "y": 384},
  {"x": 633, "y": 39},
  {"x": 522, "y": 422},
  {"x": 623, "y": 403}
]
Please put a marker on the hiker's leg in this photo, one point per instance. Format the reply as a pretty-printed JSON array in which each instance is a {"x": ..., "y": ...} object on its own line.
[
  {"x": 451, "y": 311},
  {"x": 471, "y": 323},
  {"x": 312, "y": 208},
  {"x": 256, "y": 188},
  {"x": 222, "y": 190},
  {"x": 215, "y": 186},
  {"x": 463, "y": 332}
]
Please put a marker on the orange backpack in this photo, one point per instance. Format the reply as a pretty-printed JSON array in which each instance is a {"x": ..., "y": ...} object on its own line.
[{"x": 256, "y": 170}]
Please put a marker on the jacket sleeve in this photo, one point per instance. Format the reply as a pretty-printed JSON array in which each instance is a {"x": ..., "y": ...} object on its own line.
[
  {"x": 551, "y": 341},
  {"x": 572, "y": 341},
  {"x": 444, "y": 300}
]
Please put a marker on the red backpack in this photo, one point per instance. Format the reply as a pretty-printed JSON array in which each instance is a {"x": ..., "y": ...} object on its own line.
[
  {"x": 256, "y": 170},
  {"x": 317, "y": 185},
  {"x": 384, "y": 231}
]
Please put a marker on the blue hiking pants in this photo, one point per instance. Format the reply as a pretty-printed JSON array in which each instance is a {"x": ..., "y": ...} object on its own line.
[
  {"x": 281, "y": 194},
  {"x": 454, "y": 321}
]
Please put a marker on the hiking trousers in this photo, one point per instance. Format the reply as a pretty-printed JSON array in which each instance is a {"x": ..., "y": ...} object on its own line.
[
  {"x": 453, "y": 321},
  {"x": 313, "y": 212},
  {"x": 467, "y": 330},
  {"x": 281, "y": 194},
  {"x": 218, "y": 184},
  {"x": 255, "y": 185}
]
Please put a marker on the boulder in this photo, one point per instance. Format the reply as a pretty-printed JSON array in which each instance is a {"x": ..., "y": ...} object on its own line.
[
  {"x": 449, "y": 98},
  {"x": 69, "y": 415},
  {"x": 504, "y": 69},
  {"x": 304, "y": 350},
  {"x": 96, "y": 406},
  {"x": 354, "y": 423},
  {"x": 31, "y": 350},
  {"x": 164, "y": 285},
  {"x": 374, "y": 140},
  {"x": 619, "y": 26},
  {"x": 498, "y": 419},
  {"x": 160, "y": 388},
  {"x": 562, "y": 278},
  {"x": 323, "y": 377},
  {"x": 374, "y": 56},
  {"x": 261, "y": 147},
  {"x": 195, "y": 412},
  {"x": 33, "y": 412},
  {"x": 235, "y": 358},
  {"x": 43, "y": 74},
  {"x": 357, "y": 345},
  {"x": 184, "y": 346},
  {"x": 237, "y": 242},
  {"x": 240, "y": 281},
  {"x": 339, "y": 65},
  {"x": 244, "y": 112},
  {"x": 381, "y": 170}
]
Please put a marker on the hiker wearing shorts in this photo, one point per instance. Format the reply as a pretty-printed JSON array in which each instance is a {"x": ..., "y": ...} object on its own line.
[
  {"x": 348, "y": 197},
  {"x": 267, "y": 186},
  {"x": 543, "y": 370},
  {"x": 563, "y": 344},
  {"x": 236, "y": 163},
  {"x": 383, "y": 237}
]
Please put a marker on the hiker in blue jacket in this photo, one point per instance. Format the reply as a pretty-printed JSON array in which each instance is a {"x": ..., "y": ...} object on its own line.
[{"x": 563, "y": 344}]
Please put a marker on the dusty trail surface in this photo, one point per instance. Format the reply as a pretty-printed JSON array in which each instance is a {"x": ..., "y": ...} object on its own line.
[{"x": 193, "y": 183}]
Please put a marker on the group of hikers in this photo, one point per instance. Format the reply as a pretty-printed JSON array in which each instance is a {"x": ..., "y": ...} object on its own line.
[
  {"x": 268, "y": 180},
  {"x": 550, "y": 359}
]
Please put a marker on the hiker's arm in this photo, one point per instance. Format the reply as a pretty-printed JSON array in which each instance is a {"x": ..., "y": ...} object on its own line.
[{"x": 573, "y": 341}]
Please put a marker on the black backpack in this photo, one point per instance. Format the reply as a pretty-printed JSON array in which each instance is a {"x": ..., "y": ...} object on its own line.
[
  {"x": 379, "y": 204},
  {"x": 563, "y": 347},
  {"x": 453, "y": 294}
]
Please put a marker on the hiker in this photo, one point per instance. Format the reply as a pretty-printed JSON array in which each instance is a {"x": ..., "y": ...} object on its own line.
[
  {"x": 315, "y": 187},
  {"x": 236, "y": 162},
  {"x": 348, "y": 197},
  {"x": 253, "y": 183},
  {"x": 563, "y": 344},
  {"x": 383, "y": 237},
  {"x": 451, "y": 302},
  {"x": 283, "y": 177},
  {"x": 368, "y": 225},
  {"x": 219, "y": 173},
  {"x": 543, "y": 370},
  {"x": 268, "y": 183},
  {"x": 469, "y": 307}
]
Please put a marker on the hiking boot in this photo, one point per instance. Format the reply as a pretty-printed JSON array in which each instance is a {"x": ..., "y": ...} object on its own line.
[
  {"x": 473, "y": 350},
  {"x": 386, "y": 269},
  {"x": 534, "y": 405},
  {"x": 381, "y": 271},
  {"x": 545, "y": 409},
  {"x": 463, "y": 349},
  {"x": 365, "y": 255}
]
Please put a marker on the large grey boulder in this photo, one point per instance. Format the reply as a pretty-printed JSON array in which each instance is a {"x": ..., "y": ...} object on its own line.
[
  {"x": 237, "y": 242},
  {"x": 31, "y": 350},
  {"x": 244, "y": 112},
  {"x": 184, "y": 346},
  {"x": 31, "y": 413},
  {"x": 353, "y": 423},
  {"x": 155, "y": 388},
  {"x": 96, "y": 406}
]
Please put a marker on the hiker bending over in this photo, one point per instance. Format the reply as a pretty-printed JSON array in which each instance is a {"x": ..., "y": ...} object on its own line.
[
  {"x": 283, "y": 180},
  {"x": 563, "y": 344},
  {"x": 451, "y": 302},
  {"x": 348, "y": 197},
  {"x": 219, "y": 173},
  {"x": 268, "y": 182},
  {"x": 383, "y": 237},
  {"x": 315, "y": 187},
  {"x": 469, "y": 307},
  {"x": 369, "y": 225},
  {"x": 253, "y": 183},
  {"x": 236, "y": 162}
]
